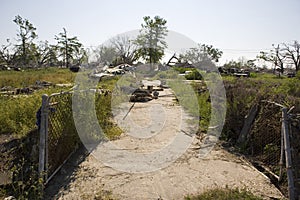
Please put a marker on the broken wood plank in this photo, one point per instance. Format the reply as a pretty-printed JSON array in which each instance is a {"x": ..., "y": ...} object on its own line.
[{"x": 247, "y": 124}]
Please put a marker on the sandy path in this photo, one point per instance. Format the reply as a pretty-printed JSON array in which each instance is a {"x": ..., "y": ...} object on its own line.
[{"x": 187, "y": 175}]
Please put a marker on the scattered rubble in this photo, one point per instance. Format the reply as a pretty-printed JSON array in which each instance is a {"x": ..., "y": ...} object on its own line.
[
  {"x": 147, "y": 91},
  {"x": 9, "y": 90}
]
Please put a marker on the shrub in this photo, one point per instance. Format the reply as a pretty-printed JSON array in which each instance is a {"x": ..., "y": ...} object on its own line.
[{"x": 194, "y": 75}]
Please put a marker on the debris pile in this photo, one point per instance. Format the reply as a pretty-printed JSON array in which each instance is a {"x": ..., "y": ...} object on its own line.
[{"x": 149, "y": 90}]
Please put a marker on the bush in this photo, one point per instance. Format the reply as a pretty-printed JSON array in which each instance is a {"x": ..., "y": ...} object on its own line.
[{"x": 194, "y": 75}]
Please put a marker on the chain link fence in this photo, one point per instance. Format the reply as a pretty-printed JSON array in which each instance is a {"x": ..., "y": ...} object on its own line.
[
  {"x": 265, "y": 137},
  {"x": 272, "y": 149},
  {"x": 62, "y": 136},
  {"x": 58, "y": 134}
]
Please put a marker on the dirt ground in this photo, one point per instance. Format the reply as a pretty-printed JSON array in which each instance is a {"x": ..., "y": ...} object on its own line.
[{"x": 89, "y": 175}]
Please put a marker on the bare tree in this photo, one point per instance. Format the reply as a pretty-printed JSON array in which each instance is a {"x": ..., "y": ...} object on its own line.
[
  {"x": 275, "y": 56},
  {"x": 105, "y": 54},
  {"x": 292, "y": 53},
  {"x": 46, "y": 55},
  {"x": 125, "y": 49},
  {"x": 7, "y": 55}
]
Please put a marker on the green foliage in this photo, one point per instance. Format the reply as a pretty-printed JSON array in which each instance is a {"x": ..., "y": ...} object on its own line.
[
  {"x": 104, "y": 115},
  {"x": 185, "y": 95},
  {"x": 242, "y": 63},
  {"x": 18, "y": 114},
  {"x": 30, "y": 76},
  {"x": 26, "y": 34},
  {"x": 26, "y": 186},
  {"x": 150, "y": 41},
  {"x": 170, "y": 74},
  {"x": 182, "y": 70},
  {"x": 204, "y": 110},
  {"x": 243, "y": 93},
  {"x": 31, "y": 55},
  {"x": 70, "y": 48},
  {"x": 225, "y": 194},
  {"x": 298, "y": 75},
  {"x": 194, "y": 75},
  {"x": 202, "y": 53}
]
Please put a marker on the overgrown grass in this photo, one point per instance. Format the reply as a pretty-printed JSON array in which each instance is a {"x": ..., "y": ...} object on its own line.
[
  {"x": 18, "y": 117},
  {"x": 18, "y": 112},
  {"x": 30, "y": 76},
  {"x": 224, "y": 194},
  {"x": 242, "y": 93}
]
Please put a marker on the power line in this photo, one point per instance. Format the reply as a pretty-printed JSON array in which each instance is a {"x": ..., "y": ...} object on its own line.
[{"x": 246, "y": 50}]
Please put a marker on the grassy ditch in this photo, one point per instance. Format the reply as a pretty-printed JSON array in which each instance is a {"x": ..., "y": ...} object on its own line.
[{"x": 243, "y": 93}]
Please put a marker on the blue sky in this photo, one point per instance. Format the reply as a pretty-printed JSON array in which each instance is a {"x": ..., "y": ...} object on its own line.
[{"x": 237, "y": 27}]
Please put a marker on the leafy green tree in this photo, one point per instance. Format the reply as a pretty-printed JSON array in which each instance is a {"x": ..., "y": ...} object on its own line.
[
  {"x": 242, "y": 63},
  {"x": 151, "y": 40},
  {"x": 26, "y": 34},
  {"x": 233, "y": 64},
  {"x": 202, "y": 53},
  {"x": 68, "y": 47}
]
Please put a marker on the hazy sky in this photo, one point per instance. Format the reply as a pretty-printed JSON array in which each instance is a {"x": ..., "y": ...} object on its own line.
[{"x": 237, "y": 27}]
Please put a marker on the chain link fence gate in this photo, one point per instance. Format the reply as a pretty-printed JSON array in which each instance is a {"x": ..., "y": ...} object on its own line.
[{"x": 58, "y": 136}]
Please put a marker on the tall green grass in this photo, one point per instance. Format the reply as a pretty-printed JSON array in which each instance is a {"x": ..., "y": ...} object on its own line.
[
  {"x": 30, "y": 76},
  {"x": 18, "y": 112}
]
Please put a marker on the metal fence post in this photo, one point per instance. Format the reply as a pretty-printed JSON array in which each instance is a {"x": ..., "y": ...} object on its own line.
[
  {"x": 43, "y": 130},
  {"x": 281, "y": 161},
  {"x": 288, "y": 156}
]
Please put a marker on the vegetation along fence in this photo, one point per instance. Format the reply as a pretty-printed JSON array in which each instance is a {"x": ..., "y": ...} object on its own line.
[
  {"x": 271, "y": 149},
  {"x": 58, "y": 134}
]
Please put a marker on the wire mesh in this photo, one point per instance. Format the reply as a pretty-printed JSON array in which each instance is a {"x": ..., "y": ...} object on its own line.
[
  {"x": 266, "y": 144},
  {"x": 62, "y": 136},
  {"x": 266, "y": 137}
]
